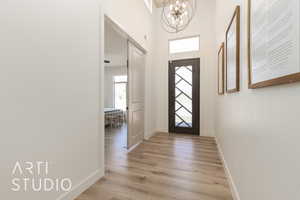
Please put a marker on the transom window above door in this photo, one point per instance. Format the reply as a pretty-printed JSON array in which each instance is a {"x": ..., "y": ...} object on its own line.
[{"x": 184, "y": 45}]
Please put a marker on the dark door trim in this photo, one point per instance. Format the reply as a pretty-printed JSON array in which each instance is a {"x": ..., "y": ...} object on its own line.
[{"x": 195, "y": 62}]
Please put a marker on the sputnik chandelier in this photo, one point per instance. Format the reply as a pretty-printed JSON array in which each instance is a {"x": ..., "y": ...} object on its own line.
[{"x": 177, "y": 14}]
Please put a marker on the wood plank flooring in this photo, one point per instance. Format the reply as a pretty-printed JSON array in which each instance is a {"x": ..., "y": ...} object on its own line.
[{"x": 165, "y": 167}]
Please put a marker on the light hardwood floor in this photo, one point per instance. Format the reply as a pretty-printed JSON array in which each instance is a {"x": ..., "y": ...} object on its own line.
[{"x": 165, "y": 167}]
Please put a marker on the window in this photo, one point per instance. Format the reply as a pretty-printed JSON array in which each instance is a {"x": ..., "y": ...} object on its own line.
[
  {"x": 119, "y": 79},
  {"x": 149, "y": 4},
  {"x": 120, "y": 89},
  {"x": 184, "y": 45}
]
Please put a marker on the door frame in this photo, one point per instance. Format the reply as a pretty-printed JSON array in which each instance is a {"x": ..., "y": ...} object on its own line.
[
  {"x": 195, "y": 62},
  {"x": 133, "y": 41}
]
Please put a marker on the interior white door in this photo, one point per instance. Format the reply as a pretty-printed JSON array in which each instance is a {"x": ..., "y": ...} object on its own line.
[{"x": 136, "y": 68}]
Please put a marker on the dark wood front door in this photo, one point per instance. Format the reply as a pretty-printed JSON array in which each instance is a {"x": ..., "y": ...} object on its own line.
[{"x": 184, "y": 96}]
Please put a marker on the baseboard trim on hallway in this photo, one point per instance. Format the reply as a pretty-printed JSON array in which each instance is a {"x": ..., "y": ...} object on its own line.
[
  {"x": 232, "y": 185},
  {"x": 134, "y": 146},
  {"x": 148, "y": 136},
  {"x": 82, "y": 186}
]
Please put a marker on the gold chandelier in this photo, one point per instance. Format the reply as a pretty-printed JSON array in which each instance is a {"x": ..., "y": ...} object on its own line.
[{"x": 177, "y": 14}]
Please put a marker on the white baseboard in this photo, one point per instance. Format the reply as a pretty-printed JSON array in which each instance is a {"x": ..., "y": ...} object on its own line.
[
  {"x": 232, "y": 185},
  {"x": 202, "y": 133},
  {"x": 207, "y": 133},
  {"x": 134, "y": 146},
  {"x": 82, "y": 186},
  {"x": 148, "y": 136}
]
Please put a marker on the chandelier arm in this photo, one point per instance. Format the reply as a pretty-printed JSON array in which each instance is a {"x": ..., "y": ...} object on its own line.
[
  {"x": 164, "y": 21},
  {"x": 164, "y": 17},
  {"x": 167, "y": 22},
  {"x": 192, "y": 15},
  {"x": 168, "y": 30},
  {"x": 171, "y": 27}
]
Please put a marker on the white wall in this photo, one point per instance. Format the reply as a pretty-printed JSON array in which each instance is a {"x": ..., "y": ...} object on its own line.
[
  {"x": 49, "y": 58},
  {"x": 115, "y": 47},
  {"x": 258, "y": 129},
  {"x": 133, "y": 17},
  {"x": 109, "y": 73},
  {"x": 203, "y": 25}
]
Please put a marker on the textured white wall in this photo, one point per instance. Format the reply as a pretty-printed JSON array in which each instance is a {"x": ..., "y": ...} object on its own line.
[
  {"x": 49, "y": 58},
  {"x": 203, "y": 25},
  {"x": 258, "y": 129}
]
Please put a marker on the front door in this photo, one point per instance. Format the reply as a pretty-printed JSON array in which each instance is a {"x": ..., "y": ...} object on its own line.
[{"x": 184, "y": 89}]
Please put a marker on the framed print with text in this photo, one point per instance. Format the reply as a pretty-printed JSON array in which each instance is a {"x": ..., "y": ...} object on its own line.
[{"x": 273, "y": 42}]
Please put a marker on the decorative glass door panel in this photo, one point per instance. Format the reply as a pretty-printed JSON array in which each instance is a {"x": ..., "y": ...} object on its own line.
[{"x": 184, "y": 96}]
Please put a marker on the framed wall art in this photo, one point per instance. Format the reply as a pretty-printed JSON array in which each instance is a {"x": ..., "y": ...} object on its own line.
[
  {"x": 233, "y": 53},
  {"x": 273, "y": 42},
  {"x": 221, "y": 70}
]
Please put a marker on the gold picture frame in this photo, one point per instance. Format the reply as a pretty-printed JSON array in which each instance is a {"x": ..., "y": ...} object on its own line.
[
  {"x": 291, "y": 78},
  {"x": 235, "y": 22},
  {"x": 221, "y": 70}
]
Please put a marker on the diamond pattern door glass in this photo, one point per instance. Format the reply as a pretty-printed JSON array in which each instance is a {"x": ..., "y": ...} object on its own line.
[{"x": 184, "y": 96}]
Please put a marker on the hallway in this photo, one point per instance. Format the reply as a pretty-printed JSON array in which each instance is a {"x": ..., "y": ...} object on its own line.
[{"x": 164, "y": 167}]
